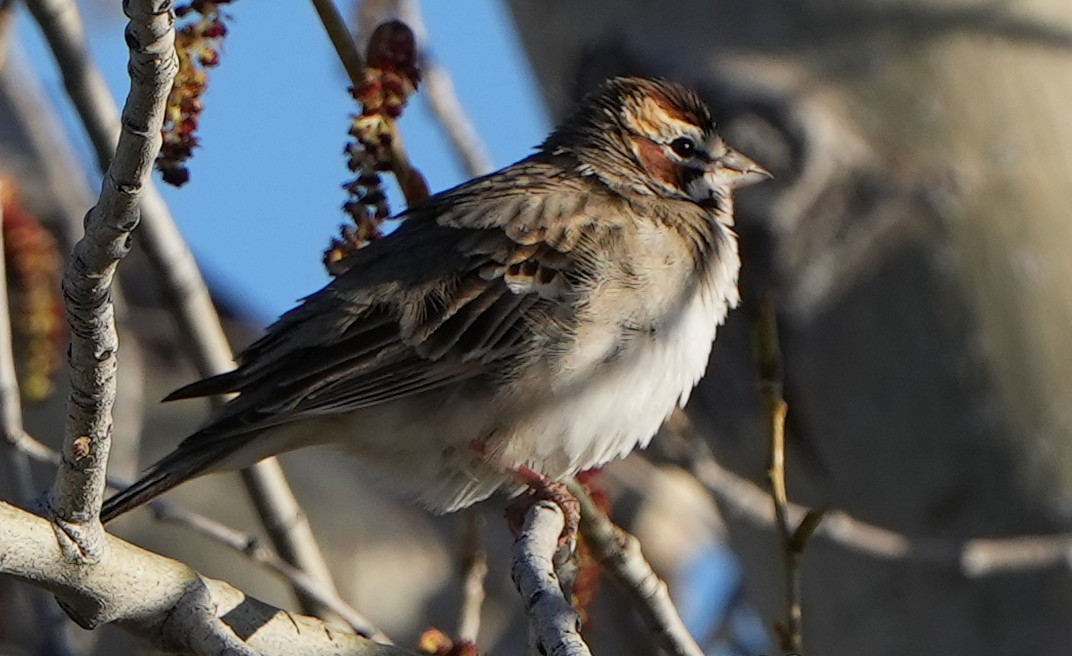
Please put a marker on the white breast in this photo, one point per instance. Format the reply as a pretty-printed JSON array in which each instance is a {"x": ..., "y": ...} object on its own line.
[{"x": 619, "y": 405}]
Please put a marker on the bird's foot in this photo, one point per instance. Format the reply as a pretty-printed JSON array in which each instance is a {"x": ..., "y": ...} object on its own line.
[
  {"x": 544, "y": 489},
  {"x": 540, "y": 488}
]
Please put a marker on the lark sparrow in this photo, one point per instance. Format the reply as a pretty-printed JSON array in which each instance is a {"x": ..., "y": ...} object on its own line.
[{"x": 550, "y": 316}]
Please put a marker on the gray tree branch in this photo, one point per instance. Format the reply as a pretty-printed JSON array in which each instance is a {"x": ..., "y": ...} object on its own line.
[
  {"x": 78, "y": 490},
  {"x": 181, "y": 281},
  {"x": 174, "y": 609},
  {"x": 555, "y": 623}
]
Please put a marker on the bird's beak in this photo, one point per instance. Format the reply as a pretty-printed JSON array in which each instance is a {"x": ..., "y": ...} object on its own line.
[{"x": 739, "y": 171}]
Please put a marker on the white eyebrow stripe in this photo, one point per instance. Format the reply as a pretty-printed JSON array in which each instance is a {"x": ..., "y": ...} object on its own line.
[{"x": 650, "y": 119}]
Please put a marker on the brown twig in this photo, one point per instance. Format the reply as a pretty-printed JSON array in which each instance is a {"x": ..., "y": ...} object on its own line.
[
  {"x": 770, "y": 368},
  {"x": 619, "y": 554},
  {"x": 340, "y": 36}
]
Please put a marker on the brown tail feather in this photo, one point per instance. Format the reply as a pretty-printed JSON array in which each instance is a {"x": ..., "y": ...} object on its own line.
[
  {"x": 218, "y": 384},
  {"x": 174, "y": 469}
]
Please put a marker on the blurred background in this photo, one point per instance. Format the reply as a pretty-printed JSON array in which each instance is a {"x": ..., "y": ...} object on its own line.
[{"x": 914, "y": 244}]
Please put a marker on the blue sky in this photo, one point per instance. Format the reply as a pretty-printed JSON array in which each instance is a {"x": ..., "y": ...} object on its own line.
[{"x": 265, "y": 193}]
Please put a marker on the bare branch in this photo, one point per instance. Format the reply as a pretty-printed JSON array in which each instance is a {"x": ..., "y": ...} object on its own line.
[
  {"x": 474, "y": 571},
  {"x": 619, "y": 554},
  {"x": 77, "y": 493},
  {"x": 252, "y": 548},
  {"x": 439, "y": 91},
  {"x": 181, "y": 280},
  {"x": 10, "y": 401},
  {"x": 971, "y": 558},
  {"x": 62, "y": 26},
  {"x": 770, "y": 369},
  {"x": 243, "y": 543},
  {"x": 340, "y": 37},
  {"x": 175, "y": 608},
  {"x": 555, "y": 623}
]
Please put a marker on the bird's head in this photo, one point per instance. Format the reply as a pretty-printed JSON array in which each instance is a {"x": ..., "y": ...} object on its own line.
[{"x": 656, "y": 138}]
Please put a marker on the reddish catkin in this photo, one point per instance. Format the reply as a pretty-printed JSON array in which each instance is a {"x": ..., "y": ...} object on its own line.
[
  {"x": 437, "y": 643},
  {"x": 391, "y": 76},
  {"x": 34, "y": 267},
  {"x": 198, "y": 42}
]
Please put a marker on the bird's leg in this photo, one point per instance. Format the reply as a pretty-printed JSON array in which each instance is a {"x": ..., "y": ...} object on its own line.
[{"x": 540, "y": 488}]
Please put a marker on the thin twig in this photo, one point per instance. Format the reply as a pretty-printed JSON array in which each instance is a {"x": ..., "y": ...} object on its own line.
[
  {"x": 770, "y": 367},
  {"x": 257, "y": 553},
  {"x": 10, "y": 402},
  {"x": 181, "y": 281},
  {"x": 970, "y": 557},
  {"x": 340, "y": 36},
  {"x": 474, "y": 571},
  {"x": 619, "y": 554},
  {"x": 466, "y": 143}
]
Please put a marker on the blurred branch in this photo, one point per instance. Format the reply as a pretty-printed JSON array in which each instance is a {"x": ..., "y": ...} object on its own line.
[
  {"x": 10, "y": 402},
  {"x": 474, "y": 571},
  {"x": 52, "y": 623},
  {"x": 7, "y": 18},
  {"x": 62, "y": 26},
  {"x": 554, "y": 622},
  {"x": 181, "y": 281},
  {"x": 619, "y": 554},
  {"x": 164, "y": 601},
  {"x": 340, "y": 36},
  {"x": 252, "y": 548},
  {"x": 439, "y": 91},
  {"x": 970, "y": 558},
  {"x": 78, "y": 490}
]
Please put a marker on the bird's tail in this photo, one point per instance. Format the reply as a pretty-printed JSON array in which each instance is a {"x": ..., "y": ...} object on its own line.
[{"x": 173, "y": 469}]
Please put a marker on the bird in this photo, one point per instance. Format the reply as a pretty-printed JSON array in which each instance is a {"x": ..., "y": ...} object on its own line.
[{"x": 547, "y": 317}]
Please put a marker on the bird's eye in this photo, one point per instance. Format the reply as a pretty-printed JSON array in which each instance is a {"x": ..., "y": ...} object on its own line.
[{"x": 683, "y": 147}]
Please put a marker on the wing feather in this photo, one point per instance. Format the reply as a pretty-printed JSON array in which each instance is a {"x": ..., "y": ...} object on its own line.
[{"x": 495, "y": 259}]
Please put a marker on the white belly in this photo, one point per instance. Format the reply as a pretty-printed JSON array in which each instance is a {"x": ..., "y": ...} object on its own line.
[{"x": 614, "y": 407}]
